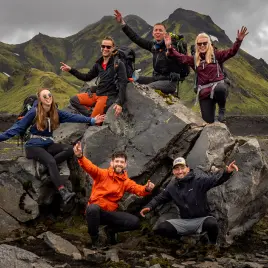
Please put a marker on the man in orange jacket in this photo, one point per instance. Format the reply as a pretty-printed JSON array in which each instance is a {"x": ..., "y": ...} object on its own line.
[{"x": 108, "y": 188}]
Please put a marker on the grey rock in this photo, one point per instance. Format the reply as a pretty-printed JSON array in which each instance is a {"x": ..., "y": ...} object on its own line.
[
  {"x": 60, "y": 245},
  {"x": 94, "y": 256},
  {"x": 156, "y": 266},
  {"x": 7, "y": 223},
  {"x": 208, "y": 264},
  {"x": 15, "y": 257},
  {"x": 112, "y": 255},
  {"x": 168, "y": 257}
]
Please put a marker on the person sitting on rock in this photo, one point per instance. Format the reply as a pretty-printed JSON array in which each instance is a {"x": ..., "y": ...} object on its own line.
[
  {"x": 42, "y": 121},
  {"x": 163, "y": 66},
  {"x": 210, "y": 86},
  {"x": 189, "y": 193},
  {"x": 108, "y": 189},
  {"x": 111, "y": 83}
]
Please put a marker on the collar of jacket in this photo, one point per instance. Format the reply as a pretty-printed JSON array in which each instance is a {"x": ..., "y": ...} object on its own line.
[
  {"x": 187, "y": 178},
  {"x": 123, "y": 176},
  {"x": 100, "y": 60}
]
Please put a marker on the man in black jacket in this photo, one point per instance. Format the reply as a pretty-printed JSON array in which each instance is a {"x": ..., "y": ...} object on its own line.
[
  {"x": 164, "y": 76},
  {"x": 189, "y": 192},
  {"x": 111, "y": 83}
]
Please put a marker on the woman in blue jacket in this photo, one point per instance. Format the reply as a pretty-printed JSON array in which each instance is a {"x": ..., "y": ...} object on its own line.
[{"x": 43, "y": 120}]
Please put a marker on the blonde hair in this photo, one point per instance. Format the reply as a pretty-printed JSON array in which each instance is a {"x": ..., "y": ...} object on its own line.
[
  {"x": 210, "y": 52},
  {"x": 41, "y": 122}
]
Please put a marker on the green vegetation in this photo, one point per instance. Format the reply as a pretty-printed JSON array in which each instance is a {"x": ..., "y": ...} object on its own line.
[{"x": 42, "y": 56}]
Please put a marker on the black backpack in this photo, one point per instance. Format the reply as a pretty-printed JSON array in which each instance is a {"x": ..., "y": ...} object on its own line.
[
  {"x": 178, "y": 42},
  {"x": 127, "y": 56},
  {"x": 26, "y": 106}
]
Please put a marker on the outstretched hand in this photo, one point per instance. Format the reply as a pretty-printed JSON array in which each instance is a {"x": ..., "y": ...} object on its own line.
[
  {"x": 232, "y": 167},
  {"x": 118, "y": 109},
  {"x": 242, "y": 33},
  {"x": 149, "y": 186},
  {"x": 144, "y": 211},
  {"x": 78, "y": 149},
  {"x": 167, "y": 39},
  {"x": 118, "y": 17},
  {"x": 64, "y": 67},
  {"x": 99, "y": 118}
]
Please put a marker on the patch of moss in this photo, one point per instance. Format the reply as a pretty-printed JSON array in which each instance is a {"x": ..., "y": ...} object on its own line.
[
  {"x": 120, "y": 264},
  {"x": 163, "y": 262}
]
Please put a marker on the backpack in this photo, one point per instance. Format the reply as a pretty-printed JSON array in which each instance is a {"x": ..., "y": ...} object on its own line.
[
  {"x": 127, "y": 56},
  {"x": 28, "y": 103},
  {"x": 178, "y": 42}
]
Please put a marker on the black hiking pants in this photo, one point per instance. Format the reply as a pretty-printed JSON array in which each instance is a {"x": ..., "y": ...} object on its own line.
[
  {"x": 50, "y": 156},
  {"x": 116, "y": 221},
  {"x": 166, "y": 86},
  {"x": 210, "y": 226},
  {"x": 208, "y": 105}
]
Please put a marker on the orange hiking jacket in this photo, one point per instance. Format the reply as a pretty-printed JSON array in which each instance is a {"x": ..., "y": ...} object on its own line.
[{"x": 108, "y": 187}]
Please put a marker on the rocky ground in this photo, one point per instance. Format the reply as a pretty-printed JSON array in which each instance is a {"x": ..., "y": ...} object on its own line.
[{"x": 139, "y": 248}]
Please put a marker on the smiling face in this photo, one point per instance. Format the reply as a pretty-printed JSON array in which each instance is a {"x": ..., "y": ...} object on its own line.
[
  {"x": 119, "y": 164},
  {"x": 46, "y": 97},
  {"x": 202, "y": 44},
  {"x": 180, "y": 171},
  {"x": 107, "y": 47},
  {"x": 159, "y": 32}
]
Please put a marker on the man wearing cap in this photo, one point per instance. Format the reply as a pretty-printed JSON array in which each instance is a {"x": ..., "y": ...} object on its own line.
[{"x": 189, "y": 192}]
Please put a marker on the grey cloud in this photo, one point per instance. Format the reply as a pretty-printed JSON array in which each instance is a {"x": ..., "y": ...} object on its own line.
[{"x": 20, "y": 20}]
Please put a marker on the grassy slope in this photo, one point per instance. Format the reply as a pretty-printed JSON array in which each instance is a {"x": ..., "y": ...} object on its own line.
[{"x": 11, "y": 101}]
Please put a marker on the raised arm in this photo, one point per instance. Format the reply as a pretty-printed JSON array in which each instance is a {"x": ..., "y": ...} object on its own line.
[
  {"x": 81, "y": 76},
  {"x": 137, "y": 189},
  {"x": 20, "y": 126},
  {"x": 224, "y": 55},
  {"x": 141, "y": 42},
  {"x": 121, "y": 83}
]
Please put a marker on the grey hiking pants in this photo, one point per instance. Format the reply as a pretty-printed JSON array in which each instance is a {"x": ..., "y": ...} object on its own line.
[{"x": 166, "y": 86}]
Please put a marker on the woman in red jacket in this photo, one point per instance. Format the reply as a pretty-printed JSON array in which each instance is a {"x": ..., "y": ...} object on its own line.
[{"x": 209, "y": 84}]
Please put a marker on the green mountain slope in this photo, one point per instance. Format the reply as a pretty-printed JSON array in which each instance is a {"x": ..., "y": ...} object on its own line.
[{"x": 248, "y": 75}]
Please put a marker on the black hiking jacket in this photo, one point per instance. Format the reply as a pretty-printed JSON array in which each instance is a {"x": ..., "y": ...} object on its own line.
[
  {"x": 162, "y": 65},
  {"x": 190, "y": 193},
  {"x": 110, "y": 82}
]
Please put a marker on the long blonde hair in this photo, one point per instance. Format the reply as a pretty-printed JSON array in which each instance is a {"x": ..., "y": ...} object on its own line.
[
  {"x": 210, "y": 52},
  {"x": 41, "y": 115}
]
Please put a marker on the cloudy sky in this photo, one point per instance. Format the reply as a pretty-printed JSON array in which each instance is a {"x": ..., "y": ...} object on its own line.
[{"x": 20, "y": 20}]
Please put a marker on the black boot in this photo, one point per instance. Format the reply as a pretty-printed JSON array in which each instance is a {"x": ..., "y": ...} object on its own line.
[
  {"x": 111, "y": 236},
  {"x": 96, "y": 242},
  {"x": 66, "y": 195},
  {"x": 221, "y": 117}
]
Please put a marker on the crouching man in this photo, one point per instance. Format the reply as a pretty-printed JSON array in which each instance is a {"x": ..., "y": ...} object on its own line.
[
  {"x": 189, "y": 192},
  {"x": 108, "y": 188}
]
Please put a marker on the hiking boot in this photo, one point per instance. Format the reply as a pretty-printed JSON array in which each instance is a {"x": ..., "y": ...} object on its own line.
[
  {"x": 66, "y": 195},
  {"x": 211, "y": 251},
  {"x": 96, "y": 242},
  {"x": 112, "y": 237},
  {"x": 221, "y": 117}
]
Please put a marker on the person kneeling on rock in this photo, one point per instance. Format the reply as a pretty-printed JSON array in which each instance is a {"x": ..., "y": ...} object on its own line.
[
  {"x": 42, "y": 121},
  {"x": 189, "y": 192},
  {"x": 108, "y": 189}
]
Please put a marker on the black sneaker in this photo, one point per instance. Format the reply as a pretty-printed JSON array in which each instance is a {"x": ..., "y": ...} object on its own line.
[
  {"x": 66, "y": 195},
  {"x": 221, "y": 117}
]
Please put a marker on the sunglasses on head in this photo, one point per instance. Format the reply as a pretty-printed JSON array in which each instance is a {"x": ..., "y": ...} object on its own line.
[
  {"x": 202, "y": 43},
  {"x": 49, "y": 95},
  {"x": 104, "y": 46}
]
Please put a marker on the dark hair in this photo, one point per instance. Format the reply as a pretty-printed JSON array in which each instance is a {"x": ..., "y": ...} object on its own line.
[
  {"x": 119, "y": 154},
  {"x": 110, "y": 39},
  {"x": 159, "y": 23}
]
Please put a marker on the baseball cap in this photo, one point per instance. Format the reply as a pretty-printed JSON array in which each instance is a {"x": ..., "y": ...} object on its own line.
[{"x": 179, "y": 161}]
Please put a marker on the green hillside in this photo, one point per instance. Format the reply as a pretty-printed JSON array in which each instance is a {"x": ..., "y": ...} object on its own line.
[{"x": 43, "y": 53}]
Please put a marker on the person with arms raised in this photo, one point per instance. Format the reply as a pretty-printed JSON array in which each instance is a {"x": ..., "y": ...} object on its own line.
[
  {"x": 209, "y": 85},
  {"x": 109, "y": 186}
]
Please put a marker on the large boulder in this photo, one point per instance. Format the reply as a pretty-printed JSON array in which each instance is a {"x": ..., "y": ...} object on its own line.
[{"x": 16, "y": 257}]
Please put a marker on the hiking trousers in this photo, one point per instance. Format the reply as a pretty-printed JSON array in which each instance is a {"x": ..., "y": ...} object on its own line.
[
  {"x": 50, "y": 156},
  {"x": 116, "y": 221},
  {"x": 166, "y": 86},
  {"x": 208, "y": 105},
  {"x": 83, "y": 103}
]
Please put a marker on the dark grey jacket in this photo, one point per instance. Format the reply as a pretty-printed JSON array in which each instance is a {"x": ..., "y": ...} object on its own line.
[{"x": 190, "y": 193}]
